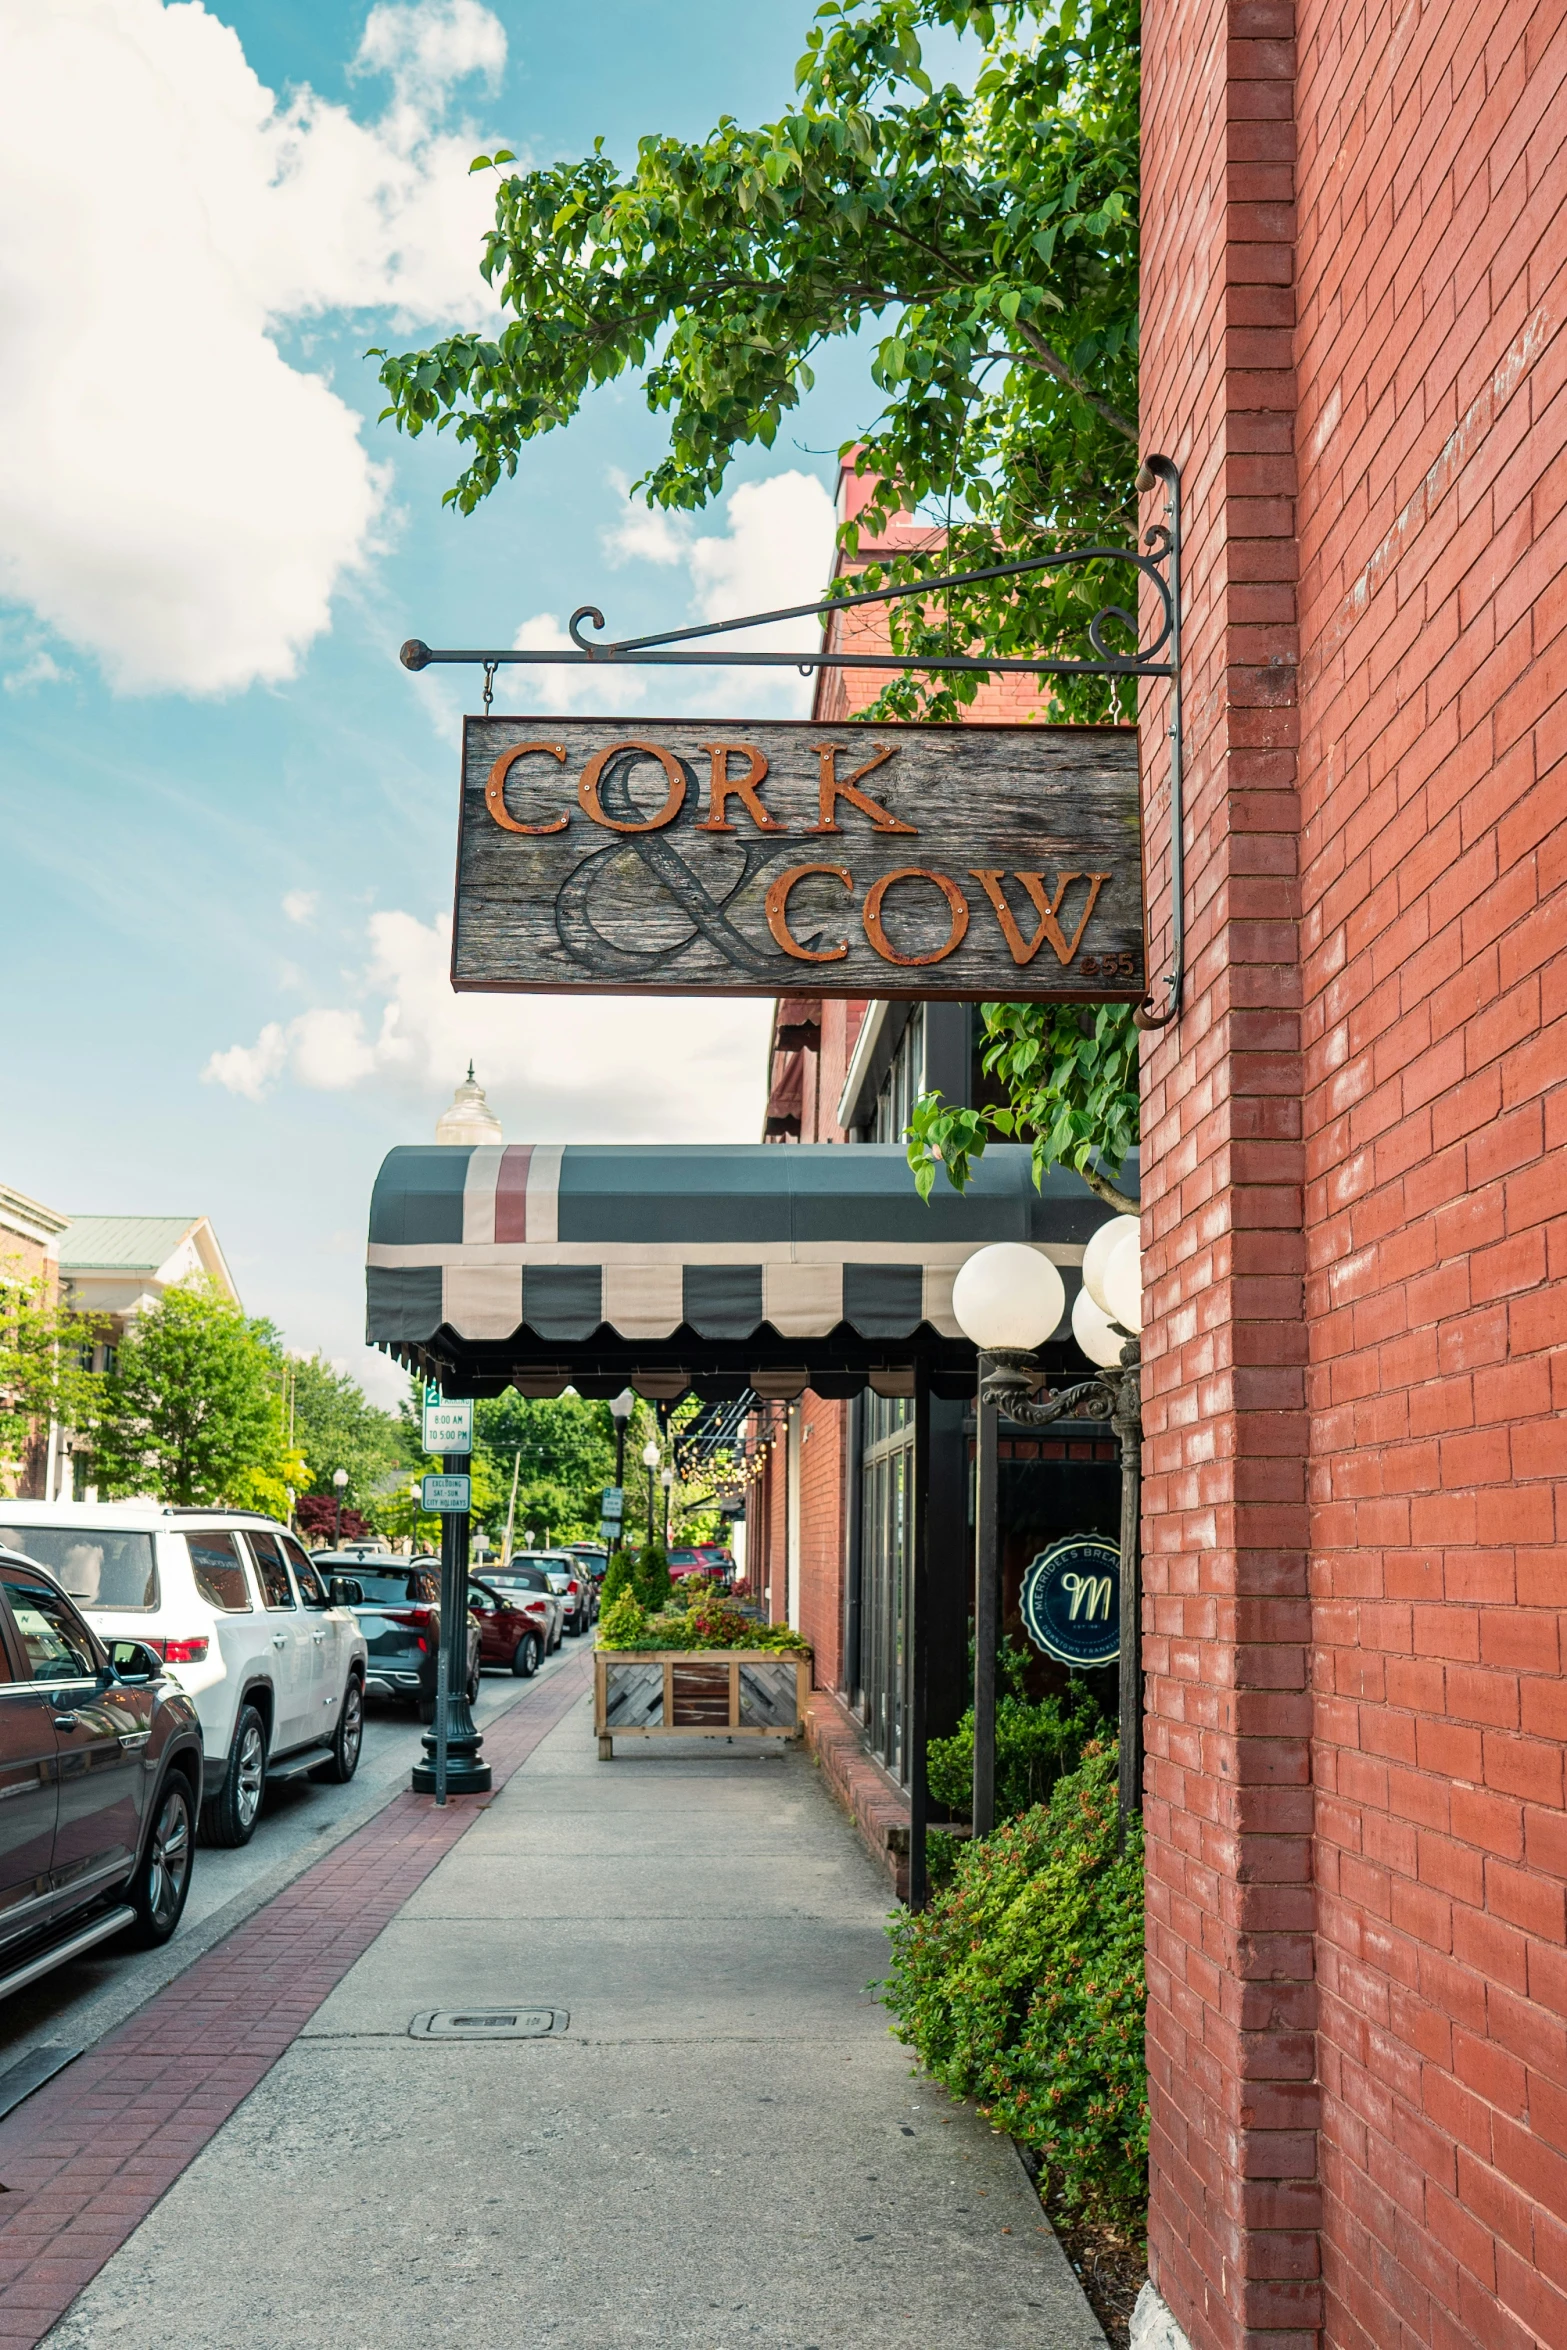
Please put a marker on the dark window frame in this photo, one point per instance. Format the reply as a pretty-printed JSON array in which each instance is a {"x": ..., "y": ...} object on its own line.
[
  {"x": 220, "y": 1534},
  {"x": 16, "y": 1641},
  {"x": 255, "y": 1536}
]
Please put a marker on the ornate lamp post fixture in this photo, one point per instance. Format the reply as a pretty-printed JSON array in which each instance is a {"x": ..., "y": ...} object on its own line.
[
  {"x": 340, "y": 1486},
  {"x": 1009, "y": 1299},
  {"x": 667, "y": 1480}
]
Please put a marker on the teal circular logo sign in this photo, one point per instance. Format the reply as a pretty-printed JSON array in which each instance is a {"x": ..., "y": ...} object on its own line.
[{"x": 1072, "y": 1601}]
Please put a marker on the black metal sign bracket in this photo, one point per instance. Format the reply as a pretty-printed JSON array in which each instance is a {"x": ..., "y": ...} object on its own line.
[{"x": 1161, "y": 657}]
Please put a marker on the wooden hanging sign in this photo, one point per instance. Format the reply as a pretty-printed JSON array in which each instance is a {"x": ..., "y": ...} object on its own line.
[{"x": 690, "y": 856}]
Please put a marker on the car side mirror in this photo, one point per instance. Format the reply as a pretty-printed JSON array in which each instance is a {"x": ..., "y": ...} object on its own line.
[
  {"x": 346, "y": 1591},
  {"x": 133, "y": 1660}
]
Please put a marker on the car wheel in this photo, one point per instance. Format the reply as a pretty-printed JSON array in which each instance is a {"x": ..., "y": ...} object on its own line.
[
  {"x": 229, "y": 1817},
  {"x": 527, "y": 1656},
  {"x": 158, "y": 1889},
  {"x": 348, "y": 1737}
]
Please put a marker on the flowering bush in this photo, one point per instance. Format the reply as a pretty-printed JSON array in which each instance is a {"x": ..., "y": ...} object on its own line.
[
  {"x": 1022, "y": 1987},
  {"x": 706, "y": 1624}
]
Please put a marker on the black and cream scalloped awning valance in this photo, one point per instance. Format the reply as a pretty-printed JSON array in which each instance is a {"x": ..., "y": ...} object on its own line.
[{"x": 539, "y": 1263}]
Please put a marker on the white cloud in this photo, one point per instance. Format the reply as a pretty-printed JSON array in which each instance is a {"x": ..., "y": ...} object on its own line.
[
  {"x": 559, "y": 689},
  {"x": 42, "y": 669},
  {"x": 428, "y": 47},
  {"x": 645, "y": 534},
  {"x": 300, "y": 904},
  {"x": 775, "y": 550},
  {"x": 556, "y": 1067},
  {"x": 250, "y": 1069},
  {"x": 175, "y": 497}
]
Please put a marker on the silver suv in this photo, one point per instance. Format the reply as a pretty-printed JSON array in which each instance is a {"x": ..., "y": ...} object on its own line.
[{"x": 244, "y": 1625}]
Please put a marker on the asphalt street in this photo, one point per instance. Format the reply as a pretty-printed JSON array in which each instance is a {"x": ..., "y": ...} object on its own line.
[{"x": 301, "y": 1819}]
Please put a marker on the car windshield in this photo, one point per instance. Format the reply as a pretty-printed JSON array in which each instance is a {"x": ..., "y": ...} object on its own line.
[
  {"x": 98, "y": 1569},
  {"x": 382, "y": 1589}
]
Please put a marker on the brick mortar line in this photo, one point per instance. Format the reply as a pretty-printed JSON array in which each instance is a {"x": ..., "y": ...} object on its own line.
[{"x": 66, "y": 2215}]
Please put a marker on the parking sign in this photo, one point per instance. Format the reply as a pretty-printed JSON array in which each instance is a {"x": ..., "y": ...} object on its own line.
[
  {"x": 448, "y": 1427},
  {"x": 451, "y": 1496}
]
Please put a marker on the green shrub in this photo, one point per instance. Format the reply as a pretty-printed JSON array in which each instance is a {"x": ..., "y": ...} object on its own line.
[
  {"x": 650, "y": 1577},
  {"x": 623, "y": 1622},
  {"x": 1022, "y": 1987},
  {"x": 1036, "y": 1741},
  {"x": 619, "y": 1576}
]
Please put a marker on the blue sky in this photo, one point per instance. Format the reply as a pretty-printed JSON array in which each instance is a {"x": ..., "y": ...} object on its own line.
[{"x": 229, "y": 813}]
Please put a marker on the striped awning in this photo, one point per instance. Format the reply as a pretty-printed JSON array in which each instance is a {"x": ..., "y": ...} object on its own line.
[{"x": 512, "y": 1250}]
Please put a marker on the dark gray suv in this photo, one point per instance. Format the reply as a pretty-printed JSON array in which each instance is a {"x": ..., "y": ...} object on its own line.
[
  {"x": 399, "y": 1612},
  {"x": 100, "y": 1779}
]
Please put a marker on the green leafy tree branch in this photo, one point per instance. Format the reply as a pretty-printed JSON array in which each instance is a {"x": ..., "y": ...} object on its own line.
[{"x": 986, "y": 237}]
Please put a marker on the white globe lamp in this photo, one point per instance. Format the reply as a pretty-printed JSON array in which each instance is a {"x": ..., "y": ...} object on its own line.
[
  {"x": 1008, "y": 1298},
  {"x": 650, "y": 1454},
  {"x": 1095, "y": 1333},
  {"x": 1123, "y": 1283},
  {"x": 1098, "y": 1253}
]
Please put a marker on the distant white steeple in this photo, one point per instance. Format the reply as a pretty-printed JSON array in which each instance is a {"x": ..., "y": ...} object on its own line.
[{"x": 470, "y": 1118}]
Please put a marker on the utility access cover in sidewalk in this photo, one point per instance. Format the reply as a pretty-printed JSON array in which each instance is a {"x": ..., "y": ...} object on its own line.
[{"x": 488, "y": 2023}]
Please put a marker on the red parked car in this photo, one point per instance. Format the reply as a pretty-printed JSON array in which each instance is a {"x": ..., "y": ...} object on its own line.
[{"x": 513, "y": 1627}]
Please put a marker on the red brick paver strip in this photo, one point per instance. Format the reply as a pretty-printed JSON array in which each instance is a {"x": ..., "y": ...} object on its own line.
[{"x": 86, "y": 2158}]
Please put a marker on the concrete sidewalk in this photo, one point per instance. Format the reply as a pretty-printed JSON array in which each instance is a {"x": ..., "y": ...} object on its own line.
[{"x": 725, "y": 2148}]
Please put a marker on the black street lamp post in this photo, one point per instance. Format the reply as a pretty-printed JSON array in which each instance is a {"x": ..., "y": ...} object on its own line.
[
  {"x": 650, "y": 1463},
  {"x": 457, "y": 1769},
  {"x": 620, "y": 1411}
]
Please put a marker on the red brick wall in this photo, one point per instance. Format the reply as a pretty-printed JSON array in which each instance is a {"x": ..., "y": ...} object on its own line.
[
  {"x": 1231, "y": 2055},
  {"x": 824, "y": 1428},
  {"x": 1364, "y": 1181},
  {"x": 1433, "y": 434}
]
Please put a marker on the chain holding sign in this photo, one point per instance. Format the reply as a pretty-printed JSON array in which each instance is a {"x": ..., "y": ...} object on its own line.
[{"x": 703, "y": 856}]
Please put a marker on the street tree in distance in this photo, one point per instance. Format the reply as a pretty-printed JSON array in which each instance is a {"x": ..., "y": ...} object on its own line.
[
  {"x": 986, "y": 234},
  {"x": 44, "y": 1346},
  {"x": 192, "y": 1411},
  {"x": 335, "y": 1426}
]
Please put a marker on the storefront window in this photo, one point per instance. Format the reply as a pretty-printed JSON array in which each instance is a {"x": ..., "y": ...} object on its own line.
[{"x": 886, "y": 1481}]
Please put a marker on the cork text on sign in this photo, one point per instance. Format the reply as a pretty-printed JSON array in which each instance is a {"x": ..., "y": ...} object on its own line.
[{"x": 701, "y": 856}]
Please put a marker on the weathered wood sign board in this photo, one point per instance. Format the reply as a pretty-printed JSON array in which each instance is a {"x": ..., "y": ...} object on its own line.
[{"x": 697, "y": 856}]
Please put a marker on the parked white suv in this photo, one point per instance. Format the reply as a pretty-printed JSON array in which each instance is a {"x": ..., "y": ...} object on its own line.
[{"x": 243, "y": 1622}]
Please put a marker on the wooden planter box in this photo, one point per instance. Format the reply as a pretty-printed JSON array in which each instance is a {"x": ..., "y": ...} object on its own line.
[{"x": 697, "y": 1693}]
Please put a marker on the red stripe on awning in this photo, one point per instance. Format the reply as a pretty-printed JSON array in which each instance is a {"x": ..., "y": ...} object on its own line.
[{"x": 511, "y": 1192}]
